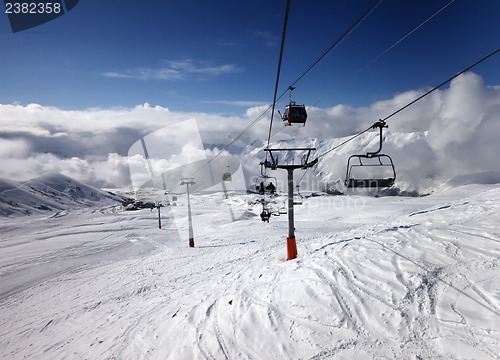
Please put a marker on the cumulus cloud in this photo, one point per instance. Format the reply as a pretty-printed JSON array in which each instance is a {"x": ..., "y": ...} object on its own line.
[
  {"x": 243, "y": 103},
  {"x": 176, "y": 70},
  {"x": 449, "y": 133},
  {"x": 17, "y": 148},
  {"x": 93, "y": 145}
]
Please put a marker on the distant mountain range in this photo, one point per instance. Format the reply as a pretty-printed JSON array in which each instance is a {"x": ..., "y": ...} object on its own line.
[
  {"x": 420, "y": 168},
  {"x": 50, "y": 193}
]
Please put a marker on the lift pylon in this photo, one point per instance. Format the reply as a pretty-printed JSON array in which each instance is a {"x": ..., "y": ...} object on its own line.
[
  {"x": 187, "y": 182},
  {"x": 291, "y": 243}
]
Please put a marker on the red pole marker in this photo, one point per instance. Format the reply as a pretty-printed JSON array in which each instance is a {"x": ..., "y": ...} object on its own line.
[{"x": 291, "y": 248}]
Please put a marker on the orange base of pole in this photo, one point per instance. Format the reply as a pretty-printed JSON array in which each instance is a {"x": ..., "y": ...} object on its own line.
[
  {"x": 291, "y": 248},
  {"x": 191, "y": 242}
]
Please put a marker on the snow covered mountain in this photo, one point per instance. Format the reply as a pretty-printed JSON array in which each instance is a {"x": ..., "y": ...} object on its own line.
[
  {"x": 49, "y": 193},
  {"x": 421, "y": 167}
]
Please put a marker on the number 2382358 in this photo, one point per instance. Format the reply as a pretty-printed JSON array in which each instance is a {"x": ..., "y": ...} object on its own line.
[{"x": 33, "y": 8}]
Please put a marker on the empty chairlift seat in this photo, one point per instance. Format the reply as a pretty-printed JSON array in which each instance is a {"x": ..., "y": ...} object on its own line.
[
  {"x": 371, "y": 170},
  {"x": 360, "y": 171}
]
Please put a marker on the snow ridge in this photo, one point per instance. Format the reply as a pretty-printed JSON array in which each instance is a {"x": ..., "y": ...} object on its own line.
[{"x": 49, "y": 193}]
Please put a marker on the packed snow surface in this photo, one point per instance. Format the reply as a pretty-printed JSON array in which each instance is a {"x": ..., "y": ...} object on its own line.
[{"x": 375, "y": 278}]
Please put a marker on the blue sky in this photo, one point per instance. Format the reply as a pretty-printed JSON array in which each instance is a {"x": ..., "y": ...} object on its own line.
[
  {"x": 76, "y": 93},
  {"x": 222, "y": 56}
]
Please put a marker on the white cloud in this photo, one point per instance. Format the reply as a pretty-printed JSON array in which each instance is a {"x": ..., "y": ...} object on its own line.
[
  {"x": 93, "y": 144},
  {"x": 243, "y": 103},
  {"x": 176, "y": 70},
  {"x": 451, "y": 132},
  {"x": 16, "y": 148},
  {"x": 269, "y": 39}
]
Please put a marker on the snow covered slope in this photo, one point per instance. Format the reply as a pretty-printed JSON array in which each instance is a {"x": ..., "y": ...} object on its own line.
[
  {"x": 421, "y": 167},
  {"x": 49, "y": 193},
  {"x": 375, "y": 278}
]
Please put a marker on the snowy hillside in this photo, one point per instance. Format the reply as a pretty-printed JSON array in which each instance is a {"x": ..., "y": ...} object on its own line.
[
  {"x": 420, "y": 168},
  {"x": 49, "y": 193},
  {"x": 375, "y": 278}
]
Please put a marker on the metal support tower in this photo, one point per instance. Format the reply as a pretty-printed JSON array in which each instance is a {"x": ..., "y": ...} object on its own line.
[
  {"x": 187, "y": 182},
  {"x": 159, "y": 215},
  {"x": 291, "y": 244}
]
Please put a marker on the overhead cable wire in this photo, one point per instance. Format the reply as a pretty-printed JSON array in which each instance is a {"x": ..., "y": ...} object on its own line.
[
  {"x": 301, "y": 77},
  {"x": 413, "y": 101},
  {"x": 443, "y": 83},
  {"x": 321, "y": 58},
  {"x": 282, "y": 47},
  {"x": 384, "y": 52},
  {"x": 311, "y": 68},
  {"x": 337, "y": 42},
  {"x": 260, "y": 117}
]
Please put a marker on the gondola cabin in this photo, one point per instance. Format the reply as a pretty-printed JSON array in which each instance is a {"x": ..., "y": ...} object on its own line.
[
  {"x": 294, "y": 114},
  {"x": 227, "y": 175}
]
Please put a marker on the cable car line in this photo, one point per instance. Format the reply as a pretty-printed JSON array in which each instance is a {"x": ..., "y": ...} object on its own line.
[
  {"x": 323, "y": 56},
  {"x": 317, "y": 63},
  {"x": 443, "y": 83},
  {"x": 412, "y": 102},
  {"x": 265, "y": 214},
  {"x": 338, "y": 42},
  {"x": 300, "y": 109},
  {"x": 300, "y": 78},
  {"x": 355, "y": 74},
  {"x": 283, "y": 36}
]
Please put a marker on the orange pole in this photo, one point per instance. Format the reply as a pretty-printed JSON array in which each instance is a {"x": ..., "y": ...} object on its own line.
[{"x": 291, "y": 248}]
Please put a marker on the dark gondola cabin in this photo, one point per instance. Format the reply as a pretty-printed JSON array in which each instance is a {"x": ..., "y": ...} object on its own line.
[
  {"x": 227, "y": 175},
  {"x": 295, "y": 114}
]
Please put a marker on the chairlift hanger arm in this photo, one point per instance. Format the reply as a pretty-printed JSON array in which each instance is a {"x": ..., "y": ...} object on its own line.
[{"x": 379, "y": 124}]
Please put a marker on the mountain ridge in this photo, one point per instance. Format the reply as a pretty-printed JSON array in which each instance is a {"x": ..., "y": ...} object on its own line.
[{"x": 49, "y": 192}]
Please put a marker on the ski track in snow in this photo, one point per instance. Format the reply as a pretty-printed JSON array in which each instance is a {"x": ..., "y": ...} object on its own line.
[{"x": 375, "y": 278}]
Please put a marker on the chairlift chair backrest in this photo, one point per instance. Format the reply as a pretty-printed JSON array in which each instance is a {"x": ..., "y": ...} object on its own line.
[{"x": 384, "y": 161}]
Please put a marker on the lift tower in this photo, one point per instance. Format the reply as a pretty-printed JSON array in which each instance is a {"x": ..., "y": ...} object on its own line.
[
  {"x": 291, "y": 244},
  {"x": 187, "y": 182}
]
